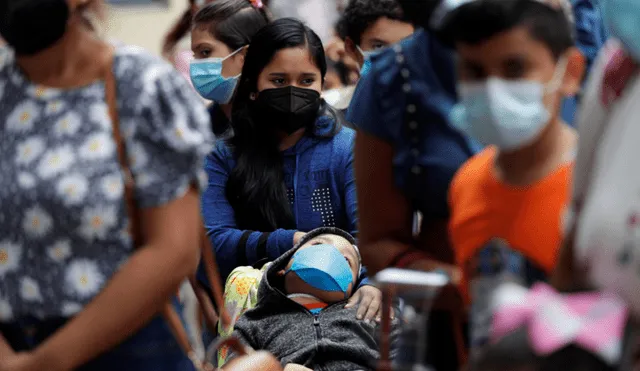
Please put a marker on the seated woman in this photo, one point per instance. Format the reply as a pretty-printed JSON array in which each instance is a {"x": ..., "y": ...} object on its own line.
[
  {"x": 287, "y": 168},
  {"x": 307, "y": 288}
]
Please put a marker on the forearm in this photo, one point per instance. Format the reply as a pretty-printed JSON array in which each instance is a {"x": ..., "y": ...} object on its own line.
[
  {"x": 568, "y": 275},
  {"x": 133, "y": 296},
  {"x": 378, "y": 255},
  {"x": 235, "y": 247}
]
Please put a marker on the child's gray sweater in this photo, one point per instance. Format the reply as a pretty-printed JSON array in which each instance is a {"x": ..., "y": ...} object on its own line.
[{"x": 333, "y": 340}]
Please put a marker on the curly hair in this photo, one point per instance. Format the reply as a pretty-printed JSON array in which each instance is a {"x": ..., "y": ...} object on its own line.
[{"x": 359, "y": 15}]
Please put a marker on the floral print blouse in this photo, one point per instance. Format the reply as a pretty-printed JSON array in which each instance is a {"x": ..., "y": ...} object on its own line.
[{"x": 63, "y": 220}]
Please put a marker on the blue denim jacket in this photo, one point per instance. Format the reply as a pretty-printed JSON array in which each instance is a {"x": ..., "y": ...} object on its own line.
[
  {"x": 591, "y": 35},
  {"x": 405, "y": 100}
]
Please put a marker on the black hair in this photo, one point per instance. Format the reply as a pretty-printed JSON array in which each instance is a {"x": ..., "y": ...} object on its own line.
[
  {"x": 233, "y": 22},
  {"x": 255, "y": 188},
  {"x": 419, "y": 12},
  {"x": 359, "y": 15},
  {"x": 572, "y": 358},
  {"x": 326, "y": 230},
  {"x": 340, "y": 69},
  {"x": 514, "y": 351},
  {"x": 480, "y": 20}
]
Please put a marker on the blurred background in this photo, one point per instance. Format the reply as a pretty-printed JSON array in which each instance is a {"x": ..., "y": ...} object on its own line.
[{"x": 145, "y": 22}]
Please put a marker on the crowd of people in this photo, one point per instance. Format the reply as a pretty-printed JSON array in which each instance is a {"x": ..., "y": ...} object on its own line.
[{"x": 479, "y": 140}]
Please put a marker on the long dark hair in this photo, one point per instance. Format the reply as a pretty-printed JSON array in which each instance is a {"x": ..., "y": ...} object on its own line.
[
  {"x": 233, "y": 22},
  {"x": 256, "y": 188}
]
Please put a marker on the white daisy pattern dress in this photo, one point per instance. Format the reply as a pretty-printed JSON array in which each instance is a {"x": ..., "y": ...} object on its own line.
[{"x": 63, "y": 218}]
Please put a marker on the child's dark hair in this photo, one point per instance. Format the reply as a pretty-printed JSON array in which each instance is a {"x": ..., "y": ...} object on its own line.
[
  {"x": 340, "y": 69},
  {"x": 480, "y": 20},
  {"x": 359, "y": 15},
  {"x": 326, "y": 230},
  {"x": 233, "y": 22},
  {"x": 514, "y": 351}
]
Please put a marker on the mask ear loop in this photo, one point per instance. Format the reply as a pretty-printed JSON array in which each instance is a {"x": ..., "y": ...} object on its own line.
[
  {"x": 558, "y": 76},
  {"x": 229, "y": 56},
  {"x": 234, "y": 53}
]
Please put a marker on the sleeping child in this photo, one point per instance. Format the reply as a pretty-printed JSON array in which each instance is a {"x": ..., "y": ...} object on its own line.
[{"x": 301, "y": 317}]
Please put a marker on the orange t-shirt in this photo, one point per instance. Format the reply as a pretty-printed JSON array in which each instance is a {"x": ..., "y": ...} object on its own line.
[{"x": 486, "y": 212}]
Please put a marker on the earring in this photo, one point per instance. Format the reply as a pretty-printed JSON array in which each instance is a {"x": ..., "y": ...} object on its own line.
[{"x": 252, "y": 96}]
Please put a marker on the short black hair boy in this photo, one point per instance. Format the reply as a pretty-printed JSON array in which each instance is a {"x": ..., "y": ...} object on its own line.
[
  {"x": 368, "y": 25},
  {"x": 480, "y": 20}
]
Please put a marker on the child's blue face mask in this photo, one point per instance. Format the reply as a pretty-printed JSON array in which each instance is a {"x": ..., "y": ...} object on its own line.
[
  {"x": 206, "y": 76},
  {"x": 323, "y": 267}
]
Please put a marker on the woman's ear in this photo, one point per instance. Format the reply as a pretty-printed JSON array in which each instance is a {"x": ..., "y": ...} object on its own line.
[
  {"x": 243, "y": 52},
  {"x": 281, "y": 273},
  {"x": 573, "y": 77},
  {"x": 241, "y": 55}
]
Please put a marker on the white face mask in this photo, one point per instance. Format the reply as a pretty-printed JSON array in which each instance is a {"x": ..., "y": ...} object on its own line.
[{"x": 507, "y": 114}]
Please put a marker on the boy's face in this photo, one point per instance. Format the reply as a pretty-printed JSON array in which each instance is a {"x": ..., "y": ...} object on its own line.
[
  {"x": 382, "y": 33},
  {"x": 293, "y": 283},
  {"x": 516, "y": 55}
]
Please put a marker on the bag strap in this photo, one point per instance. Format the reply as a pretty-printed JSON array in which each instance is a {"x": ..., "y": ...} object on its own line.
[{"x": 211, "y": 268}]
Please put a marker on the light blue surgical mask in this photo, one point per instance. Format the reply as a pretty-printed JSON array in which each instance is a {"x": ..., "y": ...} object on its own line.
[
  {"x": 207, "y": 79},
  {"x": 507, "y": 114},
  {"x": 621, "y": 17},
  {"x": 366, "y": 56},
  {"x": 323, "y": 267}
]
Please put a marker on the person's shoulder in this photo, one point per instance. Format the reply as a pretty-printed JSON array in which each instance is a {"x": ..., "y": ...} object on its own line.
[
  {"x": 135, "y": 59},
  {"x": 145, "y": 73},
  {"x": 343, "y": 142},
  {"x": 6, "y": 58},
  {"x": 6, "y": 55},
  {"x": 222, "y": 150},
  {"x": 474, "y": 173}
]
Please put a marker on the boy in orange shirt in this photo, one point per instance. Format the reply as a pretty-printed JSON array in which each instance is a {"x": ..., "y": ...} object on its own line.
[{"x": 517, "y": 61}]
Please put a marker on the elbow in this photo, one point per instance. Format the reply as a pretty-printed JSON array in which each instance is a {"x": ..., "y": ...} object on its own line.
[
  {"x": 370, "y": 258},
  {"x": 379, "y": 254}
]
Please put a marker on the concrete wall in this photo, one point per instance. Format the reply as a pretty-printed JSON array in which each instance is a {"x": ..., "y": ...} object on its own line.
[{"x": 144, "y": 25}]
